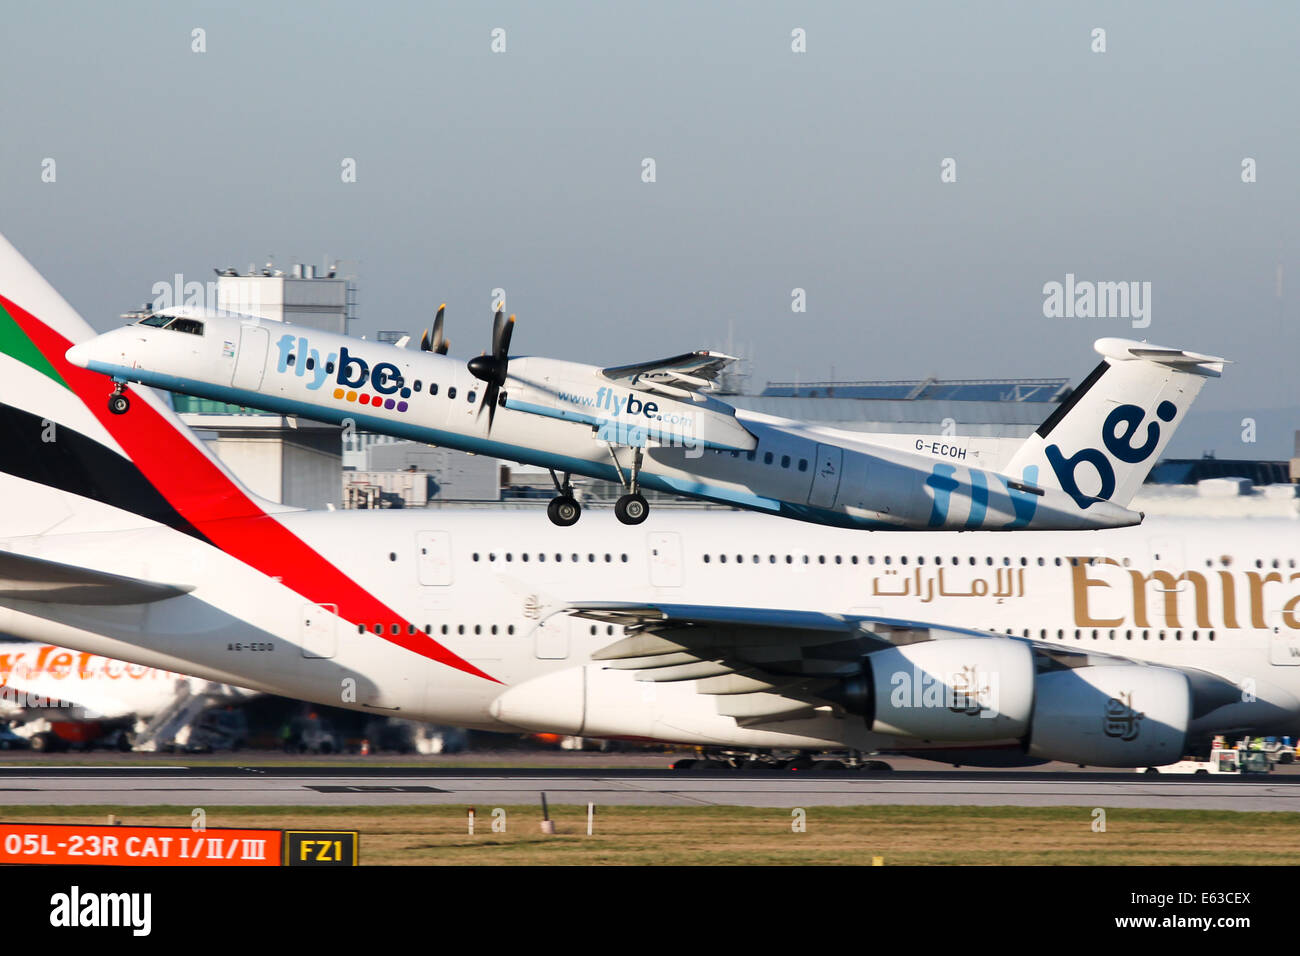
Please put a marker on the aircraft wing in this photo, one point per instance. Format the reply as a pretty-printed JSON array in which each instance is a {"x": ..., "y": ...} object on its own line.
[
  {"x": 26, "y": 578},
  {"x": 765, "y": 665},
  {"x": 772, "y": 665},
  {"x": 691, "y": 371}
]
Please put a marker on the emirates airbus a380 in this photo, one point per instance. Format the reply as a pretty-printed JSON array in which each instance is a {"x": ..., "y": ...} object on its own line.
[{"x": 123, "y": 536}]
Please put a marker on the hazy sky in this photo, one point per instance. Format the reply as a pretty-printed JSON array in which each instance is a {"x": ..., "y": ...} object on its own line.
[{"x": 775, "y": 170}]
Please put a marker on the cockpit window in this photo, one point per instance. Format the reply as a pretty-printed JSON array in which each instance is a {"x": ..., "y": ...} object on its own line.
[{"x": 192, "y": 326}]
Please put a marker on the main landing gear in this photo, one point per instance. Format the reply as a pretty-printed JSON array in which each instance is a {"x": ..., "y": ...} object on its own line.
[
  {"x": 564, "y": 509},
  {"x": 631, "y": 508},
  {"x": 118, "y": 403}
]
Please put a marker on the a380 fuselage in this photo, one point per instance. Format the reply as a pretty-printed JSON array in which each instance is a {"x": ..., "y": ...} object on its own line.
[{"x": 489, "y": 588}]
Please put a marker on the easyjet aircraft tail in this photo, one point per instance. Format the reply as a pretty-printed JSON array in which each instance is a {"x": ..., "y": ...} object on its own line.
[
  {"x": 75, "y": 464},
  {"x": 1102, "y": 441}
]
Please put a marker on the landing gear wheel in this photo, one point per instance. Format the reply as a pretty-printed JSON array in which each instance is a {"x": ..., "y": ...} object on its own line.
[
  {"x": 631, "y": 509},
  {"x": 564, "y": 511},
  {"x": 829, "y": 766},
  {"x": 118, "y": 403}
]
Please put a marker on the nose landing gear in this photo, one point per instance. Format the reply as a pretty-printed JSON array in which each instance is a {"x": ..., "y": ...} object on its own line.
[{"x": 118, "y": 403}]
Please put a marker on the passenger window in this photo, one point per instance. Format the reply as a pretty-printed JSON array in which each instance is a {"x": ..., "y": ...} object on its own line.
[
  {"x": 311, "y": 363},
  {"x": 451, "y": 392},
  {"x": 433, "y": 388},
  {"x": 329, "y": 367},
  {"x": 785, "y": 461},
  {"x": 767, "y": 458},
  {"x": 803, "y": 464}
]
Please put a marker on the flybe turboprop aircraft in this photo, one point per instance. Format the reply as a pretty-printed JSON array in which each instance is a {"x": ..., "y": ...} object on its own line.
[
  {"x": 654, "y": 424},
  {"x": 125, "y": 537}
]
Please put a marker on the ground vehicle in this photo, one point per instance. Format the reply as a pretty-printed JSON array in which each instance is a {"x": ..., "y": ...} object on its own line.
[
  {"x": 1225, "y": 761},
  {"x": 11, "y": 741},
  {"x": 311, "y": 734},
  {"x": 1279, "y": 751}
]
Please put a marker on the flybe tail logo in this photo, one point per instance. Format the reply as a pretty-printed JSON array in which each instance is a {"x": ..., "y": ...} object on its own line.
[
  {"x": 1118, "y": 432},
  {"x": 352, "y": 374}
]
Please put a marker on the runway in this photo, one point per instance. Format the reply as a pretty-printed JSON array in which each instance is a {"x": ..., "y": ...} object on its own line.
[{"x": 322, "y": 787}]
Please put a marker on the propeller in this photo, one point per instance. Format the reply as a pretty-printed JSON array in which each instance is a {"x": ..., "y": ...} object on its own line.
[
  {"x": 437, "y": 343},
  {"x": 492, "y": 368}
]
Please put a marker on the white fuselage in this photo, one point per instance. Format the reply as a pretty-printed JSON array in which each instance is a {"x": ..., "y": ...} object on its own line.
[
  {"x": 569, "y": 417},
  {"x": 1215, "y": 595}
]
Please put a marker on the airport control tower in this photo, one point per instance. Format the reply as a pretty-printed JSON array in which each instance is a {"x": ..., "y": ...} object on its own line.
[
  {"x": 294, "y": 461},
  {"x": 303, "y": 296}
]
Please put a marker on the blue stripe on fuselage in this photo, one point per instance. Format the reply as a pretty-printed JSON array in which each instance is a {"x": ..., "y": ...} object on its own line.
[{"x": 484, "y": 446}]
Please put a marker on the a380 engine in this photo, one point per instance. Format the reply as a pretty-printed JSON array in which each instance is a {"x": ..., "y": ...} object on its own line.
[{"x": 973, "y": 689}]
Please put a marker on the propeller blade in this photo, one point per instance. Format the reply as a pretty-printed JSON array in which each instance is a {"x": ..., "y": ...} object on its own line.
[
  {"x": 493, "y": 368},
  {"x": 437, "y": 343},
  {"x": 490, "y": 402},
  {"x": 503, "y": 348},
  {"x": 497, "y": 322}
]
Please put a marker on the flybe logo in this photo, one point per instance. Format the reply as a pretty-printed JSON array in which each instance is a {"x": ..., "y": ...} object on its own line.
[
  {"x": 607, "y": 400},
  {"x": 354, "y": 378},
  {"x": 1118, "y": 432}
]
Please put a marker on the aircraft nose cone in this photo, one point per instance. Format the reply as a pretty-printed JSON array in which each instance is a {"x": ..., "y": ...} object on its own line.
[{"x": 79, "y": 355}]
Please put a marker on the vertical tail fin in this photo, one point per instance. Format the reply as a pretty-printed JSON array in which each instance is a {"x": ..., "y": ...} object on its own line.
[
  {"x": 69, "y": 455},
  {"x": 1117, "y": 422}
]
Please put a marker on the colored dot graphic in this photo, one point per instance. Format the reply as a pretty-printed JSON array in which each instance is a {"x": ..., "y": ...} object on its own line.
[{"x": 375, "y": 400}]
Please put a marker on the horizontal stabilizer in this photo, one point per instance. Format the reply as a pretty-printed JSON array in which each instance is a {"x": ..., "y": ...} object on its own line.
[
  {"x": 25, "y": 578},
  {"x": 1124, "y": 349}
]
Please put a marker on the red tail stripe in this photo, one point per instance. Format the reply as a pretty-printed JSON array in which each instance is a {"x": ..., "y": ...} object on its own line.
[{"x": 218, "y": 508}]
